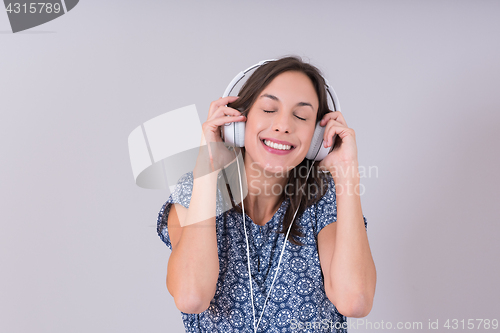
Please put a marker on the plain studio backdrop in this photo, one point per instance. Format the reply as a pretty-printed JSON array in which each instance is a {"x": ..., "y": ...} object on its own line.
[{"x": 417, "y": 80}]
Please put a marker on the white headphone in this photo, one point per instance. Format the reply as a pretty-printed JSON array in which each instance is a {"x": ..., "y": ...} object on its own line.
[{"x": 234, "y": 134}]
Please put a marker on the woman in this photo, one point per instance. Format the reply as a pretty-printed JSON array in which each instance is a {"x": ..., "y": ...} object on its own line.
[{"x": 327, "y": 270}]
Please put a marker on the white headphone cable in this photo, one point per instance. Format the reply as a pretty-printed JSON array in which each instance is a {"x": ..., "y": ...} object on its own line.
[
  {"x": 281, "y": 255},
  {"x": 246, "y": 239}
]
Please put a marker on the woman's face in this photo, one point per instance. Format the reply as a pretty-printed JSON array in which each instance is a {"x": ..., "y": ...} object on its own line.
[{"x": 284, "y": 112}]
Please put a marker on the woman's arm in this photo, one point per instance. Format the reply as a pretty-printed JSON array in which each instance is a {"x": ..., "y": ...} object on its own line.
[
  {"x": 345, "y": 255},
  {"x": 193, "y": 266}
]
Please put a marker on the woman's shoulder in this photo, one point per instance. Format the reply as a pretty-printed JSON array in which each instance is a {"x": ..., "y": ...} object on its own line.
[
  {"x": 181, "y": 193},
  {"x": 322, "y": 192},
  {"x": 323, "y": 211},
  {"x": 182, "y": 190},
  {"x": 329, "y": 195}
]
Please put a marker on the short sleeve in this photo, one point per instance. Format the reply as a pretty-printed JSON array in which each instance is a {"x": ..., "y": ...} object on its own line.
[
  {"x": 181, "y": 195},
  {"x": 326, "y": 208}
]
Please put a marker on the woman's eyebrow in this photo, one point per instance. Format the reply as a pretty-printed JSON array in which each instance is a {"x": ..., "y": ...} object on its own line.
[{"x": 274, "y": 98}]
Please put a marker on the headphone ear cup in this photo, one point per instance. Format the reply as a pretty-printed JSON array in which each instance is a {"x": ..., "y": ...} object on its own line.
[
  {"x": 234, "y": 133},
  {"x": 317, "y": 151}
]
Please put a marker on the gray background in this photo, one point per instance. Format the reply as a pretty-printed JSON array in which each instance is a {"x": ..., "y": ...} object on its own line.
[{"x": 418, "y": 81}]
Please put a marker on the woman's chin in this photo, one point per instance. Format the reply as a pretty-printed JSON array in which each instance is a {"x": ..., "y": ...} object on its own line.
[
  {"x": 270, "y": 166},
  {"x": 272, "y": 169}
]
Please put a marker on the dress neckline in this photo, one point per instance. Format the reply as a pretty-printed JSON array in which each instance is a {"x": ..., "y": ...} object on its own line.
[{"x": 273, "y": 222}]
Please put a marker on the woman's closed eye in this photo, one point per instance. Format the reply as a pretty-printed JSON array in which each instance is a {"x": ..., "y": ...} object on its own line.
[{"x": 266, "y": 111}]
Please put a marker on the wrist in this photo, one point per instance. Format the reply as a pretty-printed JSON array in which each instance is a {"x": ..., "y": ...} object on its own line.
[{"x": 345, "y": 171}]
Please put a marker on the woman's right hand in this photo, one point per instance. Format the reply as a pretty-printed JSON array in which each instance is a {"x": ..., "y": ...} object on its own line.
[{"x": 213, "y": 150}]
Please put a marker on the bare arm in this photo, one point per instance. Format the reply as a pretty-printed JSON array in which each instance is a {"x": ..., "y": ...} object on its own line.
[
  {"x": 345, "y": 255},
  {"x": 193, "y": 267}
]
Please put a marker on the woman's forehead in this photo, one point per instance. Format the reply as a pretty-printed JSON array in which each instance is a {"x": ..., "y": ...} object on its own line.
[{"x": 291, "y": 86}]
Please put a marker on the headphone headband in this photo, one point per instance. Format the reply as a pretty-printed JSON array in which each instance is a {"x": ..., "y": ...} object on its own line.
[{"x": 241, "y": 75}]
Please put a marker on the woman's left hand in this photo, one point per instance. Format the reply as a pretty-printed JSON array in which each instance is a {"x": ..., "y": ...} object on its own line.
[{"x": 345, "y": 152}]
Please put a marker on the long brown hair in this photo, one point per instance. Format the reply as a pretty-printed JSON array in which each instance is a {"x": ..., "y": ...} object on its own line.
[{"x": 249, "y": 92}]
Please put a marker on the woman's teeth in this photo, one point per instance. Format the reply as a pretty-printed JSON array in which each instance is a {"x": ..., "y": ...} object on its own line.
[{"x": 277, "y": 145}]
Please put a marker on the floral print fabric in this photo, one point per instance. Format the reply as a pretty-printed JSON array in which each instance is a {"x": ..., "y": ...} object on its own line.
[{"x": 297, "y": 303}]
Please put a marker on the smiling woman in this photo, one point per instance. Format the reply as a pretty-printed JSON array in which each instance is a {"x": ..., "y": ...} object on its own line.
[
  {"x": 327, "y": 270},
  {"x": 290, "y": 89}
]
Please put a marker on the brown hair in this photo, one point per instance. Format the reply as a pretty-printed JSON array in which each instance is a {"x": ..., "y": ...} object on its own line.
[{"x": 261, "y": 77}]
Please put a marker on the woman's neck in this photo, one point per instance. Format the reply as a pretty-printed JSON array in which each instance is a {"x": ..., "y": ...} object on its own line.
[{"x": 265, "y": 193}]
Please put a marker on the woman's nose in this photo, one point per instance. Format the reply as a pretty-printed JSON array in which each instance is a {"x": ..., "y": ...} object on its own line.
[{"x": 281, "y": 123}]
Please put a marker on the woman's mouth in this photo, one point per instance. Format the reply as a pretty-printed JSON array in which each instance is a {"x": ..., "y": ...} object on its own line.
[{"x": 276, "y": 148}]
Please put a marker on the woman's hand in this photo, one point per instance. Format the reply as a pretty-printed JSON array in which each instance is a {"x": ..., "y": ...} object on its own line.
[
  {"x": 345, "y": 153},
  {"x": 213, "y": 151}
]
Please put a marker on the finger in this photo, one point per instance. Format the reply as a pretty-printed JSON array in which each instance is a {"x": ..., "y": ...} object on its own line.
[
  {"x": 340, "y": 131},
  {"x": 335, "y": 115},
  {"x": 225, "y": 111},
  {"x": 328, "y": 126},
  {"x": 227, "y": 119},
  {"x": 222, "y": 101},
  {"x": 329, "y": 133}
]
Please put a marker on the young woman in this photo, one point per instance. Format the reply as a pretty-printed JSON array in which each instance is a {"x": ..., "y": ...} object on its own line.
[{"x": 327, "y": 271}]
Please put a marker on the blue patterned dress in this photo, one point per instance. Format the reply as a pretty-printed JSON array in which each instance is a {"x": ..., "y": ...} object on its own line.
[{"x": 298, "y": 302}]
